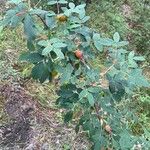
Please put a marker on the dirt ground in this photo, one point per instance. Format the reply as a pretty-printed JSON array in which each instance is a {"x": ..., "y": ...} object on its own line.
[
  {"x": 30, "y": 127},
  {"x": 2, "y": 5}
]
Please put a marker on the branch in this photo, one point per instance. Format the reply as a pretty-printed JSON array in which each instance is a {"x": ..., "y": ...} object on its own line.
[
  {"x": 97, "y": 113},
  {"x": 58, "y": 9},
  {"x": 37, "y": 3},
  {"x": 29, "y": 4},
  {"x": 42, "y": 20},
  {"x": 102, "y": 74}
]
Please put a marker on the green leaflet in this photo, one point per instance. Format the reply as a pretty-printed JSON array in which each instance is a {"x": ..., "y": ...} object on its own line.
[
  {"x": 31, "y": 57},
  {"x": 116, "y": 37},
  {"x": 97, "y": 43},
  {"x": 47, "y": 50},
  {"x": 66, "y": 75},
  {"x": 136, "y": 78},
  {"x": 54, "y": 45},
  {"x": 85, "y": 94},
  {"x": 117, "y": 89},
  {"x": 125, "y": 141},
  {"x": 59, "y": 53},
  {"x": 51, "y": 21},
  {"x": 68, "y": 116},
  {"x": 67, "y": 96},
  {"x": 90, "y": 99},
  {"x": 41, "y": 72},
  {"x": 29, "y": 27}
]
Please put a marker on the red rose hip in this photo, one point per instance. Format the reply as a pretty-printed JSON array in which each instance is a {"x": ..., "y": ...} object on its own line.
[{"x": 79, "y": 54}]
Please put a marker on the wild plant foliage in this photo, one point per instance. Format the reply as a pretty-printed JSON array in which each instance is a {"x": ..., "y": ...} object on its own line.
[{"x": 59, "y": 42}]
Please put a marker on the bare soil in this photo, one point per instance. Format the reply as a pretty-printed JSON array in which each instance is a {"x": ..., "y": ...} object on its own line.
[
  {"x": 18, "y": 106},
  {"x": 2, "y": 5},
  {"x": 30, "y": 127}
]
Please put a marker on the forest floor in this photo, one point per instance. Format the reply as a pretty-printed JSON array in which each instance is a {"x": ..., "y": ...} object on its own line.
[{"x": 29, "y": 118}]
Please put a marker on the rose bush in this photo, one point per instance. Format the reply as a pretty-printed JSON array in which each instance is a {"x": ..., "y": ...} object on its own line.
[{"x": 59, "y": 41}]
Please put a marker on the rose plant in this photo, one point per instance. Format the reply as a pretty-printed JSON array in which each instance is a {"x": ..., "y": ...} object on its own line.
[{"x": 60, "y": 42}]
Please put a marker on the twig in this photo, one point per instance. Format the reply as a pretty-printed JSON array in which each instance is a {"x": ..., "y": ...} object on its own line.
[
  {"x": 42, "y": 20},
  {"x": 29, "y": 4},
  {"x": 97, "y": 112},
  {"x": 102, "y": 74},
  {"x": 58, "y": 10},
  {"x": 37, "y": 3},
  {"x": 83, "y": 61}
]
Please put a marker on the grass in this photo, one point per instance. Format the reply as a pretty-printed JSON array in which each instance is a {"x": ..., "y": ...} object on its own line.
[
  {"x": 107, "y": 18},
  {"x": 129, "y": 18},
  {"x": 142, "y": 104},
  {"x": 12, "y": 39}
]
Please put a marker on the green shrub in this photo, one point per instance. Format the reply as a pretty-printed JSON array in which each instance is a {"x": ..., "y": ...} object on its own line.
[{"x": 62, "y": 44}]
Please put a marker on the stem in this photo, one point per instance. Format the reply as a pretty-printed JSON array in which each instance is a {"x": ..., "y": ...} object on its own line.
[
  {"x": 58, "y": 9},
  {"x": 42, "y": 20},
  {"x": 97, "y": 112},
  {"x": 83, "y": 61},
  {"x": 37, "y": 3},
  {"x": 108, "y": 69},
  {"x": 29, "y": 4}
]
